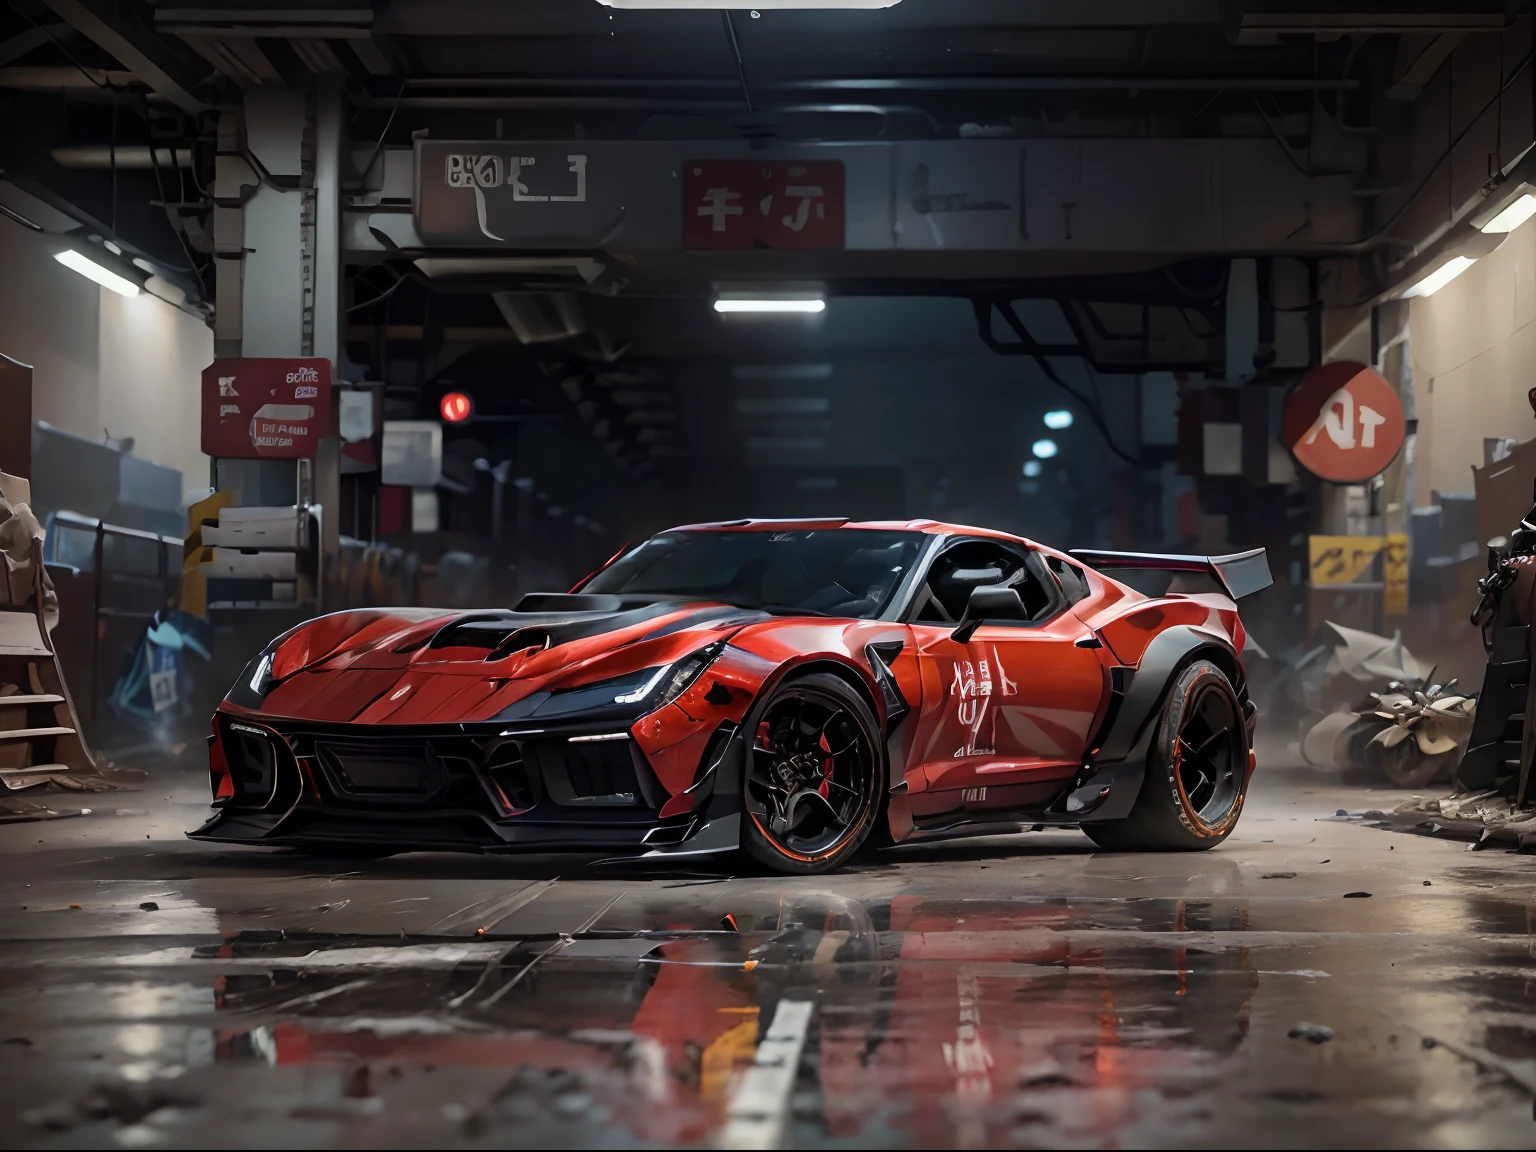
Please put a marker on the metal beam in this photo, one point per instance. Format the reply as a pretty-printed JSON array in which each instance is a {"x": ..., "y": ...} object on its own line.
[
  {"x": 134, "y": 46},
  {"x": 31, "y": 40}
]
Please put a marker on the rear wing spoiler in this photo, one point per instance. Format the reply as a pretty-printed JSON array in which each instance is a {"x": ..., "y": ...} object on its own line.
[{"x": 1241, "y": 573}]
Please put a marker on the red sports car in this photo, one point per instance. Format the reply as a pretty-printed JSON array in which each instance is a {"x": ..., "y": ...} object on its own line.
[{"x": 792, "y": 690}]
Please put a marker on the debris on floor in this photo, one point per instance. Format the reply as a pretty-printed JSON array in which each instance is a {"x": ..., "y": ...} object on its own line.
[
  {"x": 16, "y": 810},
  {"x": 1311, "y": 1033},
  {"x": 1486, "y": 819}
]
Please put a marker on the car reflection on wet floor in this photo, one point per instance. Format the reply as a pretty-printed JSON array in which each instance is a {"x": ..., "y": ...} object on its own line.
[
  {"x": 1021, "y": 991},
  {"x": 917, "y": 999}
]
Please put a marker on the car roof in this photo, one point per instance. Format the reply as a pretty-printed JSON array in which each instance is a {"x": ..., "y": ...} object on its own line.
[{"x": 928, "y": 527}]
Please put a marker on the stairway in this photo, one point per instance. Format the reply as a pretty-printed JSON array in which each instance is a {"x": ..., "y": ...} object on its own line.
[
  {"x": 1493, "y": 750},
  {"x": 39, "y": 734}
]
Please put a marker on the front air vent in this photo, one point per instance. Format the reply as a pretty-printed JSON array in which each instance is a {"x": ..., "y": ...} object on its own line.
[
  {"x": 386, "y": 772},
  {"x": 252, "y": 761},
  {"x": 595, "y": 774},
  {"x": 508, "y": 771}
]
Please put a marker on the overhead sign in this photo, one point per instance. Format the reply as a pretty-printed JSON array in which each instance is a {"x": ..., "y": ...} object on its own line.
[
  {"x": 1344, "y": 423},
  {"x": 266, "y": 407},
  {"x": 495, "y": 192},
  {"x": 762, "y": 204}
]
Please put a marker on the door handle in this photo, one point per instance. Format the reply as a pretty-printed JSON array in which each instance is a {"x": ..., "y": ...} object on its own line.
[{"x": 1088, "y": 642}]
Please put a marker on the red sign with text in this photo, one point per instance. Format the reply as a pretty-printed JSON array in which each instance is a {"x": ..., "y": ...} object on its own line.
[
  {"x": 1344, "y": 422},
  {"x": 273, "y": 407},
  {"x": 762, "y": 204}
]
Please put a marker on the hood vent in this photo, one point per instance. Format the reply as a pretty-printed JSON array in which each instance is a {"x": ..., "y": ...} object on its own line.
[
  {"x": 486, "y": 632},
  {"x": 522, "y": 638}
]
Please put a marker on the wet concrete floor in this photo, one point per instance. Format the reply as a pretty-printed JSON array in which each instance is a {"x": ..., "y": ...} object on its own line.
[{"x": 1021, "y": 991}]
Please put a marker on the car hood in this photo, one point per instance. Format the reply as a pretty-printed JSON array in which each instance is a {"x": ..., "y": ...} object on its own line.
[{"x": 429, "y": 666}]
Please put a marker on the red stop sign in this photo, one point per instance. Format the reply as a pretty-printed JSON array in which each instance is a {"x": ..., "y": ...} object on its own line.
[{"x": 1344, "y": 422}]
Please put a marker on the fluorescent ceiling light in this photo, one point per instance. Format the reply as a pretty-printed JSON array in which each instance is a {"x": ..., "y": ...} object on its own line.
[
  {"x": 1058, "y": 420},
  {"x": 1044, "y": 449},
  {"x": 755, "y": 5},
  {"x": 767, "y": 306},
  {"x": 94, "y": 271},
  {"x": 1033, "y": 468},
  {"x": 1440, "y": 277},
  {"x": 1521, "y": 210}
]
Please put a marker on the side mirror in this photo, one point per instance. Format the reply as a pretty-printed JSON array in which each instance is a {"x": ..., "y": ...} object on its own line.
[{"x": 994, "y": 603}]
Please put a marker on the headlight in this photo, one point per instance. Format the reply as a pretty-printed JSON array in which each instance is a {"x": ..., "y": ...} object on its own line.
[
  {"x": 254, "y": 682},
  {"x": 652, "y": 687},
  {"x": 672, "y": 680},
  {"x": 261, "y": 679}
]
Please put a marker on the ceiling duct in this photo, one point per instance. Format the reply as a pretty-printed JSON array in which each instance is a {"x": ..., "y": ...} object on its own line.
[
  {"x": 124, "y": 156},
  {"x": 541, "y": 317}
]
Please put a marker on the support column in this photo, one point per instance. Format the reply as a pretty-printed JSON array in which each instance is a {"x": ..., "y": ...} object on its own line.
[
  {"x": 274, "y": 298},
  {"x": 281, "y": 164},
  {"x": 327, "y": 319}
]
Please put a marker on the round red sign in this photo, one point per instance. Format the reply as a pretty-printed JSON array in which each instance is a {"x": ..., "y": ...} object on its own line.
[
  {"x": 456, "y": 407},
  {"x": 1344, "y": 422}
]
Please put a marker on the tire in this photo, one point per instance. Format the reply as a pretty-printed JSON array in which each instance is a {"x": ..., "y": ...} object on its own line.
[
  {"x": 1405, "y": 766},
  {"x": 809, "y": 729},
  {"x": 1197, "y": 771}
]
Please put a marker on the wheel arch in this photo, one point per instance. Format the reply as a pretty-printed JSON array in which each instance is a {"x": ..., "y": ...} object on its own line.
[
  {"x": 861, "y": 682},
  {"x": 1120, "y": 760}
]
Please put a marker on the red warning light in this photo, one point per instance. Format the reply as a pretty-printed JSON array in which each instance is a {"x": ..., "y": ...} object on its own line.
[{"x": 456, "y": 407}]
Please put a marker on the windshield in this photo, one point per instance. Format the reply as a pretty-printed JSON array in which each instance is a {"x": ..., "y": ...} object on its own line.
[{"x": 832, "y": 572}]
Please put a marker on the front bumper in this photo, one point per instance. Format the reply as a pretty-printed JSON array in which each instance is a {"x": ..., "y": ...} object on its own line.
[{"x": 456, "y": 787}]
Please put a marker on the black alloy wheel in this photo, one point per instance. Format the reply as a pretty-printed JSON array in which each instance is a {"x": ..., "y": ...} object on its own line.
[
  {"x": 1210, "y": 756},
  {"x": 812, "y": 779},
  {"x": 1197, "y": 771}
]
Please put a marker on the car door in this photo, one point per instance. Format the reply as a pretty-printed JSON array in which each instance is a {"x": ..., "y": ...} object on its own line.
[{"x": 1014, "y": 705}]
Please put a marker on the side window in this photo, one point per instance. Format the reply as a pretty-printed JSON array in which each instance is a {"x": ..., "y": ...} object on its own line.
[
  {"x": 979, "y": 564},
  {"x": 1070, "y": 577}
]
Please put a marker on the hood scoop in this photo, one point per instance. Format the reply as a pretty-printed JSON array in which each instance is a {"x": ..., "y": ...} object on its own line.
[
  {"x": 559, "y": 619},
  {"x": 486, "y": 632},
  {"x": 568, "y": 602},
  {"x": 521, "y": 639}
]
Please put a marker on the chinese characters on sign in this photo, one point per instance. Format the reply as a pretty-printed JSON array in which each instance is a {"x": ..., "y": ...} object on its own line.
[
  {"x": 1344, "y": 423},
  {"x": 743, "y": 204},
  {"x": 266, "y": 407}
]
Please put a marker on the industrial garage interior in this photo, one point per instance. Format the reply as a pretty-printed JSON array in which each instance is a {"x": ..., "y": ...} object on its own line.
[{"x": 482, "y": 480}]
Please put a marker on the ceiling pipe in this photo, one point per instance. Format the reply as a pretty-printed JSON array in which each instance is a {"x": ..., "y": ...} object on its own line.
[
  {"x": 128, "y": 156},
  {"x": 873, "y": 84}
]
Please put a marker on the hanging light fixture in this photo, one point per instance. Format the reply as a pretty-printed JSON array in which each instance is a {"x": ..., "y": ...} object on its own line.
[{"x": 93, "y": 271}]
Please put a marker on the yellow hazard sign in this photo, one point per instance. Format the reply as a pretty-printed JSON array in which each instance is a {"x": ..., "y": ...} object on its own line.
[
  {"x": 1344, "y": 559},
  {"x": 1394, "y": 567}
]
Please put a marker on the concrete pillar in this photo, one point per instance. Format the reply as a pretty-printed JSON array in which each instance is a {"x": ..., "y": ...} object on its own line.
[
  {"x": 328, "y": 324},
  {"x": 281, "y": 165},
  {"x": 278, "y": 133}
]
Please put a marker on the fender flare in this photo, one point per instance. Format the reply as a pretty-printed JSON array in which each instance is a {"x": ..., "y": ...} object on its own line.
[
  {"x": 716, "y": 824},
  {"x": 1107, "y": 788}
]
